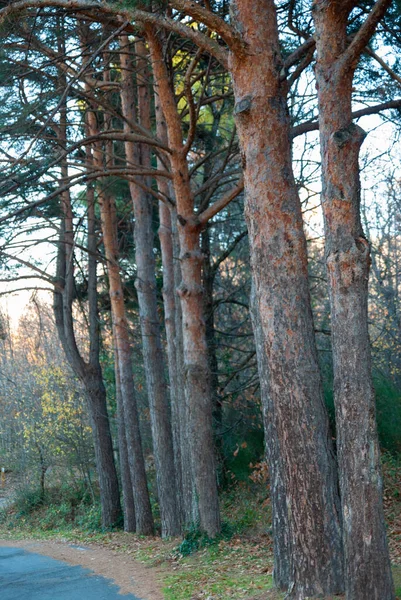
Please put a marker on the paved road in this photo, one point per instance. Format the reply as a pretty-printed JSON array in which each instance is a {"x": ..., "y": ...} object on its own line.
[{"x": 28, "y": 576}]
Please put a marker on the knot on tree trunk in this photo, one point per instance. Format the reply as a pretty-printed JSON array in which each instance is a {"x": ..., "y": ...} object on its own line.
[
  {"x": 348, "y": 268},
  {"x": 351, "y": 135},
  {"x": 142, "y": 286},
  {"x": 185, "y": 291},
  {"x": 192, "y": 255},
  {"x": 243, "y": 106},
  {"x": 198, "y": 373}
]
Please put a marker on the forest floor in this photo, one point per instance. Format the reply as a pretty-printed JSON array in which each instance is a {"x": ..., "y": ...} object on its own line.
[{"x": 238, "y": 566}]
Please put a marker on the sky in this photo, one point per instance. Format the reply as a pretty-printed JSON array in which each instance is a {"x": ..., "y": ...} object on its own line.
[{"x": 379, "y": 154}]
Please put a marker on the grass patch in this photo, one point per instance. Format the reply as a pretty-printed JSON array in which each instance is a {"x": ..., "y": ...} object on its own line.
[
  {"x": 63, "y": 510},
  {"x": 397, "y": 580},
  {"x": 236, "y": 566},
  {"x": 213, "y": 580}
]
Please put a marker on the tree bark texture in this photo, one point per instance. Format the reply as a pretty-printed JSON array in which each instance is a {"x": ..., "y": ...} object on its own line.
[
  {"x": 280, "y": 525},
  {"x": 143, "y": 512},
  {"x": 367, "y": 564},
  {"x": 155, "y": 371},
  {"x": 170, "y": 250},
  {"x": 279, "y": 263},
  {"x": 88, "y": 372},
  {"x": 125, "y": 476},
  {"x": 190, "y": 504},
  {"x": 208, "y": 279},
  {"x": 91, "y": 377},
  {"x": 169, "y": 302},
  {"x": 196, "y": 366}
]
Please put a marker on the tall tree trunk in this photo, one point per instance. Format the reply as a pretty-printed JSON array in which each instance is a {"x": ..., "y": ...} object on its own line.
[
  {"x": 145, "y": 284},
  {"x": 208, "y": 279},
  {"x": 88, "y": 372},
  {"x": 143, "y": 512},
  {"x": 169, "y": 302},
  {"x": 190, "y": 505},
  {"x": 367, "y": 564},
  {"x": 196, "y": 365},
  {"x": 97, "y": 398},
  {"x": 91, "y": 377},
  {"x": 281, "y": 534},
  {"x": 305, "y": 459},
  {"x": 170, "y": 250},
  {"x": 126, "y": 483}
]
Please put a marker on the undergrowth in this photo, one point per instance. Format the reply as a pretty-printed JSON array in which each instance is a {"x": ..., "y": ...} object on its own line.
[
  {"x": 61, "y": 509},
  {"x": 235, "y": 566}
]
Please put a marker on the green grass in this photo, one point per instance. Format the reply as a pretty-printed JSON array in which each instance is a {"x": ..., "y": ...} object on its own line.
[
  {"x": 230, "y": 570},
  {"x": 397, "y": 580},
  {"x": 236, "y": 566}
]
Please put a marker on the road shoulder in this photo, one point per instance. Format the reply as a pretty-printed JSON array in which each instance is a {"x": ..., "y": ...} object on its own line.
[{"x": 131, "y": 576}]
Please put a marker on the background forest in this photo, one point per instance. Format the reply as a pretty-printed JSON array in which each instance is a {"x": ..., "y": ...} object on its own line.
[{"x": 214, "y": 321}]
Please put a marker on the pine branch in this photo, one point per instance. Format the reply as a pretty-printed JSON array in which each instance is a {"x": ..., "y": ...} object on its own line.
[
  {"x": 363, "y": 112},
  {"x": 212, "y": 21},
  {"x": 351, "y": 55},
  {"x": 215, "y": 208},
  {"x": 98, "y": 10}
]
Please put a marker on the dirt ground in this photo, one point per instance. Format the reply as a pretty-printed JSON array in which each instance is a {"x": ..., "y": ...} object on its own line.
[{"x": 131, "y": 576}]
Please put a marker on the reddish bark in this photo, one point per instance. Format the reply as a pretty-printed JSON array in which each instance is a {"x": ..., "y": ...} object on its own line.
[
  {"x": 286, "y": 344},
  {"x": 196, "y": 366},
  {"x": 143, "y": 512},
  {"x": 367, "y": 564}
]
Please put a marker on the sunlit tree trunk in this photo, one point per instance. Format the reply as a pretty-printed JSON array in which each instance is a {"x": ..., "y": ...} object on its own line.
[
  {"x": 143, "y": 513},
  {"x": 196, "y": 365},
  {"x": 304, "y": 460},
  {"x": 367, "y": 564}
]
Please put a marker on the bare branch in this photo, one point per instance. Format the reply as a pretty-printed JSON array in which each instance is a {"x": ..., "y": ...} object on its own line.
[
  {"x": 21, "y": 261},
  {"x": 97, "y": 10},
  {"x": 363, "y": 112},
  {"x": 229, "y": 250},
  {"x": 351, "y": 55},
  {"x": 383, "y": 64},
  {"x": 215, "y": 208},
  {"x": 213, "y": 22},
  {"x": 299, "y": 53},
  {"x": 191, "y": 104}
]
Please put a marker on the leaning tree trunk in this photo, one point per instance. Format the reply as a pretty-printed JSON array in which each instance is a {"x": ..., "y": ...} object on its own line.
[
  {"x": 367, "y": 564},
  {"x": 304, "y": 460},
  {"x": 91, "y": 377},
  {"x": 145, "y": 284},
  {"x": 196, "y": 365},
  {"x": 88, "y": 372}
]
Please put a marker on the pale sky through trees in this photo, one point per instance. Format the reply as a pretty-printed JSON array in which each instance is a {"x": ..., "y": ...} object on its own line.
[{"x": 379, "y": 157}]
